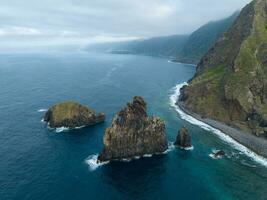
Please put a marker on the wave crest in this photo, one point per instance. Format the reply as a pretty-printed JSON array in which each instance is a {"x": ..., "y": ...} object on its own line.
[{"x": 175, "y": 96}]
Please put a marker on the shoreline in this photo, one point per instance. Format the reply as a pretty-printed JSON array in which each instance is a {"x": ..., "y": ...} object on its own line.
[
  {"x": 253, "y": 146},
  {"x": 256, "y": 144}
]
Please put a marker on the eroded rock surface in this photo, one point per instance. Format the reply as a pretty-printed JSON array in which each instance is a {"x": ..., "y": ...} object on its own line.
[
  {"x": 133, "y": 133},
  {"x": 183, "y": 139},
  {"x": 71, "y": 114}
]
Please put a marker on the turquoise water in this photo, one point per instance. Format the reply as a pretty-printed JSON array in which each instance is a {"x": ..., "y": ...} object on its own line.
[{"x": 37, "y": 163}]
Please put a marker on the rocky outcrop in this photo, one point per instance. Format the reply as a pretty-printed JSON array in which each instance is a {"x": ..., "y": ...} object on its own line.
[
  {"x": 230, "y": 84},
  {"x": 133, "y": 133},
  {"x": 183, "y": 139},
  {"x": 71, "y": 114},
  {"x": 219, "y": 154}
]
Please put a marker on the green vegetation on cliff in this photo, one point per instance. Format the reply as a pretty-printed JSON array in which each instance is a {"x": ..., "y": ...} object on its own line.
[
  {"x": 71, "y": 114},
  {"x": 230, "y": 83}
]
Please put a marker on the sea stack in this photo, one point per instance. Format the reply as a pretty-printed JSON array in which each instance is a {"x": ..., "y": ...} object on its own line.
[
  {"x": 183, "y": 139},
  {"x": 133, "y": 133},
  {"x": 71, "y": 115}
]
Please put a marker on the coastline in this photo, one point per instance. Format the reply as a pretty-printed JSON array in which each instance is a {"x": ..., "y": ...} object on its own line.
[
  {"x": 256, "y": 144},
  {"x": 251, "y": 145}
]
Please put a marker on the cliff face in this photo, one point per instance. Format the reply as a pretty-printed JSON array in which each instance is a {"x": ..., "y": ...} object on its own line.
[
  {"x": 71, "y": 114},
  {"x": 230, "y": 84},
  {"x": 133, "y": 133}
]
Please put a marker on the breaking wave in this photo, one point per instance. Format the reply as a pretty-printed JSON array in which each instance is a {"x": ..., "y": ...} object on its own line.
[
  {"x": 62, "y": 129},
  {"x": 93, "y": 163},
  {"x": 174, "y": 97},
  {"x": 42, "y": 110}
]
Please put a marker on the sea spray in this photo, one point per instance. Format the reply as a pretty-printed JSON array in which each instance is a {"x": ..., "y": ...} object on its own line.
[
  {"x": 42, "y": 110},
  {"x": 62, "y": 129},
  {"x": 173, "y": 99},
  {"x": 93, "y": 162}
]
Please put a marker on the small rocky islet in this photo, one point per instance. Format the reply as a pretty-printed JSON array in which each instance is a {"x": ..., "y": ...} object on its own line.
[
  {"x": 71, "y": 114},
  {"x": 183, "y": 139},
  {"x": 133, "y": 133}
]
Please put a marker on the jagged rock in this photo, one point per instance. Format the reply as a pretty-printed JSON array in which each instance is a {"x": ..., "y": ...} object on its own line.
[
  {"x": 183, "y": 139},
  {"x": 219, "y": 154},
  {"x": 132, "y": 133},
  {"x": 71, "y": 114}
]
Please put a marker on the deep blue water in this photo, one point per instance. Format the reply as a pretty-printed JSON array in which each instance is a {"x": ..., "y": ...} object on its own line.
[{"x": 37, "y": 163}]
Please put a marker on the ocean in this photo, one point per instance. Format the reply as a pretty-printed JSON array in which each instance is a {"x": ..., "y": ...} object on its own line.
[{"x": 40, "y": 163}]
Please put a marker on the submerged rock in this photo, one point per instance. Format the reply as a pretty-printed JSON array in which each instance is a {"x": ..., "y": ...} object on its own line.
[
  {"x": 183, "y": 139},
  {"x": 132, "y": 133},
  {"x": 71, "y": 114}
]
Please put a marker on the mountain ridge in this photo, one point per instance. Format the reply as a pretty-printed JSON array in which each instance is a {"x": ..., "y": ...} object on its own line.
[
  {"x": 181, "y": 48},
  {"x": 229, "y": 84}
]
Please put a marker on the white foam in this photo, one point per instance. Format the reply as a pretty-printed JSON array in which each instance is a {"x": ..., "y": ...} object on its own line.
[
  {"x": 137, "y": 157},
  {"x": 42, "y": 110},
  {"x": 79, "y": 127},
  {"x": 212, "y": 155},
  {"x": 188, "y": 148},
  {"x": 170, "y": 61},
  {"x": 126, "y": 159},
  {"x": 62, "y": 129},
  {"x": 147, "y": 155},
  {"x": 247, "y": 164},
  {"x": 93, "y": 162},
  {"x": 171, "y": 147},
  {"x": 174, "y": 97}
]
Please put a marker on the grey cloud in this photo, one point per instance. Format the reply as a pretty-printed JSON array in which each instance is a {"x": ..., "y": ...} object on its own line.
[{"x": 83, "y": 19}]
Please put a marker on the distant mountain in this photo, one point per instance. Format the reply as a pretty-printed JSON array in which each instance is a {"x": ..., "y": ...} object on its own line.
[
  {"x": 230, "y": 84},
  {"x": 204, "y": 38},
  {"x": 182, "y": 48},
  {"x": 168, "y": 46}
]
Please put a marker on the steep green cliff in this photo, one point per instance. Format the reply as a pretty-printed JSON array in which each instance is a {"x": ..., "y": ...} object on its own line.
[{"x": 230, "y": 84}]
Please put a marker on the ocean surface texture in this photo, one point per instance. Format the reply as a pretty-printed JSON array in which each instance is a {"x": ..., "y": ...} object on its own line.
[{"x": 43, "y": 164}]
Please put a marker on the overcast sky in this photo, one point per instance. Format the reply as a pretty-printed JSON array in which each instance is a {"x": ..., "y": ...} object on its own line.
[{"x": 79, "y": 21}]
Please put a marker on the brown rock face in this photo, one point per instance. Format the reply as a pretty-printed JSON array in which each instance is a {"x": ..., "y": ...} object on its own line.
[
  {"x": 71, "y": 114},
  {"x": 133, "y": 133},
  {"x": 183, "y": 139}
]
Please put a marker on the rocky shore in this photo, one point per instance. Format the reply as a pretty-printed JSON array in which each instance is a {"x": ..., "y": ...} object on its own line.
[{"x": 256, "y": 144}]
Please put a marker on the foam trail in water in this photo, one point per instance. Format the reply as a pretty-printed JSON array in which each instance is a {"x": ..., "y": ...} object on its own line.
[
  {"x": 174, "y": 97},
  {"x": 93, "y": 162},
  {"x": 42, "y": 110},
  {"x": 176, "y": 62}
]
